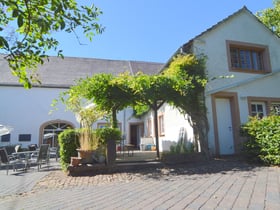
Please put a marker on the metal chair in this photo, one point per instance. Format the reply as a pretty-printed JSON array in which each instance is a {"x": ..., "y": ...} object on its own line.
[
  {"x": 54, "y": 152},
  {"x": 43, "y": 156},
  {"x": 8, "y": 160}
]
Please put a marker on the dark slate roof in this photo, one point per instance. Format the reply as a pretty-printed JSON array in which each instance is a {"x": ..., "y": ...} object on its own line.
[{"x": 59, "y": 72}]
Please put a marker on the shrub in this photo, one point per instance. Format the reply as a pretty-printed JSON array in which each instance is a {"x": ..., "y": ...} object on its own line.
[
  {"x": 181, "y": 147},
  {"x": 263, "y": 139},
  {"x": 68, "y": 142},
  {"x": 106, "y": 134}
]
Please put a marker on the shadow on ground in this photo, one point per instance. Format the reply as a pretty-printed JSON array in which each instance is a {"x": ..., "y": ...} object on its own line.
[{"x": 157, "y": 169}]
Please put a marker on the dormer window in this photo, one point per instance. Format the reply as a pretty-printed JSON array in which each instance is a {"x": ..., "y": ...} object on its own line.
[{"x": 248, "y": 58}]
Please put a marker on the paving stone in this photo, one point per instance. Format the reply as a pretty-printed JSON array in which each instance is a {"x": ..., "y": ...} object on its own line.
[{"x": 217, "y": 184}]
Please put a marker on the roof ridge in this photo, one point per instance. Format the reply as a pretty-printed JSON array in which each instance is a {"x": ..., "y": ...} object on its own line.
[{"x": 244, "y": 8}]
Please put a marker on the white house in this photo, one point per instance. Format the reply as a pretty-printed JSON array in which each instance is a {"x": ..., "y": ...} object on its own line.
[
  {"x": 242, "y": 46},
  {"x": 27, "y": 112},
  {"x": 239, "y": 45}
]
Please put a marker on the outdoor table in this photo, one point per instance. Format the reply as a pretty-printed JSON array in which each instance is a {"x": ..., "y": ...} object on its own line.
[
  {"x": 27, "y": 156},
  {"x": 129, "y": 148}
]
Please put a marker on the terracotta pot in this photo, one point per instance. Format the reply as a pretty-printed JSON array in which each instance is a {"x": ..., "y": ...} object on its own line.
[{"x": 86, "y": 155}]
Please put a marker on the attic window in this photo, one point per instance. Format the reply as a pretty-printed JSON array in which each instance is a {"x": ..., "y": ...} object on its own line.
[{"x": 248, "y": 58}]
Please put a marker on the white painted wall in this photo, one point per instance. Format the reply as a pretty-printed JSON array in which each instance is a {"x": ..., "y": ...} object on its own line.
[
  {"x": 266, "y": 87},
  {"x": 242, "y": 27},
  {"x": 173, "y": 121},
  {"x": 213, "y": 44},
  {"x": 26, "y": 110}
]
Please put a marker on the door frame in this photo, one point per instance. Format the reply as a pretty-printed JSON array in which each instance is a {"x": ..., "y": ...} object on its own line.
[
  {"x": 139, "y": 133},
  {"x": 235, "y": 117}
]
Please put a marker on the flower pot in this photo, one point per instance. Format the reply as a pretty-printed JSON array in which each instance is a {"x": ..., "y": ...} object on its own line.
[{"x": 86, "y": 155}]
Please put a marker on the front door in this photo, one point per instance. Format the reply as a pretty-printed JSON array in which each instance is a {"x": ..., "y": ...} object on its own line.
[
  {"x": 225, "y": 129},
  {"x": 136, "y": 132}
]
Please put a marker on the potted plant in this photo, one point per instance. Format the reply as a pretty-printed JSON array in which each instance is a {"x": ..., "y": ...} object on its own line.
[
  {"x": 109, "y": 136},
  {"x": 89, "y": 143}
]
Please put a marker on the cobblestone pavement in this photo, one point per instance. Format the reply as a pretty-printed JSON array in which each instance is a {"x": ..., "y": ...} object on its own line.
[{"x": 217, "y": 184}]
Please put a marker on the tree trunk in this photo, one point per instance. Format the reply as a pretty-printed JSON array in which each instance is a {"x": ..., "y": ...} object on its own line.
[
  {"x": 200, "y": 126},
  {"x": 114, "y": 118},
  {"x": 156, "y": 129}
]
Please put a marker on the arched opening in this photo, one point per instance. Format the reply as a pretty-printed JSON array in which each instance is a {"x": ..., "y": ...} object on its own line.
[{"x": 49, "y": 131}]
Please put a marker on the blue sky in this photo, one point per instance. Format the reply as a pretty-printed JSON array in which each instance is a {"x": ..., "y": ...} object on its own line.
[{"x": 151, "y": 30}]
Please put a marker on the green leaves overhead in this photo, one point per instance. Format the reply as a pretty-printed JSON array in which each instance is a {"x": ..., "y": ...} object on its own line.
[
  {"x": 34, "y": 23},
  {"x": 271, "y": 17}
]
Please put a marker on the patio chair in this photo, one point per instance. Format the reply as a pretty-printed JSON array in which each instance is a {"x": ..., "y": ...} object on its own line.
[
  {"x": 43, "y": 156},
  {"x": 54, "y": 152},
  {"x": 8, "y": 160},
  {"x": 18, "y": 149}
]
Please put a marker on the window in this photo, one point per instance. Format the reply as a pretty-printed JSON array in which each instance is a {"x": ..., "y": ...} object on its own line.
[
  {"x": 249, "y": 58},
  {"x": 6, "y": 138},
  {"x": 258, "y": 109},
  {"x": 161, "y": 125},
  {"x": 275, "y": 108},
  {"x": 24, "y": 137},
  {"x": 262, "y": 106},
  {"x": 149, "y": 128}
]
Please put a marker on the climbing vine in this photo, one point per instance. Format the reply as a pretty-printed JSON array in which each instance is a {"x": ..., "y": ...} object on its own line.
[
  {"x": 180, "y": 84},
  {"x": 189, "y": 73}
]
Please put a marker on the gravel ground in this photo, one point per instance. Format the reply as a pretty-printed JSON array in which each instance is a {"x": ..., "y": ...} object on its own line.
[{"x": 60, "y": 180}]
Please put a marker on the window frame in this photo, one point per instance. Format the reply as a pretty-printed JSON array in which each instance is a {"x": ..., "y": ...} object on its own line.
[
  {"x": 258, "y": 113},
  {"x": 274, "y": 109},
  {"x": 263, "y": 49},
  {"x": 24, "y": 137},
  {"x": 267, "y": 101},
  {"x": 6, "y": 138},
  {"x": 161, "y": 125},
  {"x": 149, "y": 127}
]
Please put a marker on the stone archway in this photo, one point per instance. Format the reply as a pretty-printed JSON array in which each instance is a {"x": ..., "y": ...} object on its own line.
[{"x": 49, "y": 131}]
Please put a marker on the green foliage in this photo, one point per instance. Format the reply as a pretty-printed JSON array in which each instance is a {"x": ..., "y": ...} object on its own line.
[
  {"x": 180, "y": 84},
  {"x": 181, "y": 148},
  {"x": 26, "y": 45},
  {"x": 106, "y": 134},
  {"x": 189, "y": 81},
  {"x": 271, "y": 17},
  {"x": 109, "y": 94},
  {"x": 263, "y": 141},
  {"x": 68, "y": 142}
]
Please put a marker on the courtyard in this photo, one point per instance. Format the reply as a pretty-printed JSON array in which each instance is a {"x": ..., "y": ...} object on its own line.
[{"x": 227, "y": 183}]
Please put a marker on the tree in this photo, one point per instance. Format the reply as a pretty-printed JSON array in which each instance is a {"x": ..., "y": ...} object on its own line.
[
  {"x": 151, "y": 91},
  {"x": 271, "y": 17},
  {"x": 109, "y": 93},
  {"x": 181, "y": 84},
  {"x": 188, "y": 72},
  {"x": 35, "y": 22}
]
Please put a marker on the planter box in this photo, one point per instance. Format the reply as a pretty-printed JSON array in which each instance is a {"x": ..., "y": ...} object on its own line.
[{"x": 75, "y": 161}]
